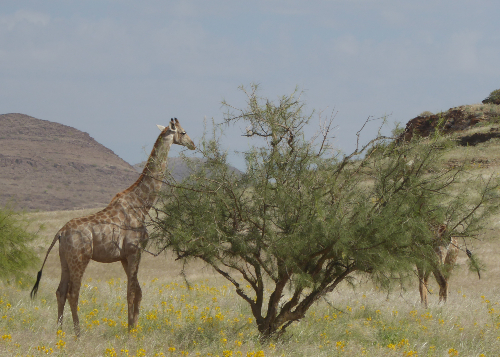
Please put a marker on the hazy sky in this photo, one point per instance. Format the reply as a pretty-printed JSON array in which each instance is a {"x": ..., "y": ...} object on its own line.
[{"x": 117, "y": 68}]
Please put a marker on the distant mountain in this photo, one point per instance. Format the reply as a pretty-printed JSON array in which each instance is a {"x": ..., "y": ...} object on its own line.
[
  {"x": 175, "y": 165},
  {"x": 178, "y": 167},
  {"x": 50, "y": 166}
]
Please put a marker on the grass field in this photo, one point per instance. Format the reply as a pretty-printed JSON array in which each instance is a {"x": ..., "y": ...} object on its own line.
[{"x": 207, "y": 318}]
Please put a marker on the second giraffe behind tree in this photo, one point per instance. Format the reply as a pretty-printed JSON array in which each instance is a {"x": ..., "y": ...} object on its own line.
[
  {"x": 114, "y": 234},
  {"x": 442, "y": 265}
]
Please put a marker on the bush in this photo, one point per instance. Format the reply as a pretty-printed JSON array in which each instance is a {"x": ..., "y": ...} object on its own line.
[
  {"x": 493, "y": 98},
  {"x": 15, "y": 254}
]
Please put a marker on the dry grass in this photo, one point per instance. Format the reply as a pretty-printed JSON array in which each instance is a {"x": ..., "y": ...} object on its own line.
[
  {"x": 207, "y": 318},
  {"x": 485, "y": 110}
]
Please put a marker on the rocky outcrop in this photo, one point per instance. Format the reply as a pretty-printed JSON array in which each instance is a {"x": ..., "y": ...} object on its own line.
[{"x": 455, "y": 119}]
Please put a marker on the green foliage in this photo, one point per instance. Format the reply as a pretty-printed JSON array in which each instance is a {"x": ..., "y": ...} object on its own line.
[
  {"x": 493, "y": 98},
  {"x": 301, "y": 219},
  {"x": 397, "y": 130},
  {"x": 16, "y": 255}
]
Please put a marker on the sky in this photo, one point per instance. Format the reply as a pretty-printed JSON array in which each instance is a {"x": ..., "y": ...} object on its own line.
[{"x": 116, "y": 68}]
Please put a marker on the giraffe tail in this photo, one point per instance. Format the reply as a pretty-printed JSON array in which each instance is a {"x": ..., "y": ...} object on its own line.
[
  {"x": 39, "y": 275},
  {"x": 473, "y": 262},
  {"x": 35, "y": 288}
]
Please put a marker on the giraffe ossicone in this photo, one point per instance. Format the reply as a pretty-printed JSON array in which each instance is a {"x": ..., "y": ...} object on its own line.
[{"x": 116, "y": 233}]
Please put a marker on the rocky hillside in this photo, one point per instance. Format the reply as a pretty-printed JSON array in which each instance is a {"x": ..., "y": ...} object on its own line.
[
  {"x": 454, "y": 120},
  {"x": 50, "y": 166}
]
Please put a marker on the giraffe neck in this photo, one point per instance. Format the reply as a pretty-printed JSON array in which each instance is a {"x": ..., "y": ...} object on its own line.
[{"x": 142, "y": 194}]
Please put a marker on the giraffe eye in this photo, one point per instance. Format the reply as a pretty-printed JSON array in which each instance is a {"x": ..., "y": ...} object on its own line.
[{"x": 183, "y": 133}]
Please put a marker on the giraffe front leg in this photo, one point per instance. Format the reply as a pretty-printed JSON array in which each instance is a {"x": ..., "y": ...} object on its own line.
[
  {"x": 137, "y": 289},
  {"x": 130, "y": 303},
  {"x": 134, "y": 293},
  {"x": 130, "y": 295},
  {"x": 137, "y": 302}
]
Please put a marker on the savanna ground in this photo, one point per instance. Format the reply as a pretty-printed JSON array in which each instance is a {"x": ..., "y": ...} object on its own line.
[{"x": 205, "y": 317}]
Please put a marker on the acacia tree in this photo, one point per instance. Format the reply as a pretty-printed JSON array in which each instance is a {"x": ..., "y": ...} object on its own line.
[{"x": 301, "y": 218}]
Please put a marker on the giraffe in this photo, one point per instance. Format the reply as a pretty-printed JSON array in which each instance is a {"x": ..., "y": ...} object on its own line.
[
  {"x": 116, "y": 233},
  {"x": 441, "y": 267}
]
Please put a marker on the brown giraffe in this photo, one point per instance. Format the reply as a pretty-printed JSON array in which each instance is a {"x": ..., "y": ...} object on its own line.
[
  {"x": 441, "y": 268},
  {"x": 116, "y": 233}
]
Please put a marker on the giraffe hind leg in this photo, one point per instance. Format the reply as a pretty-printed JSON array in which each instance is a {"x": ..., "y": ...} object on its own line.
[
  {"x": 74, "y": 285},
  {"x": 62, "y": 291}
]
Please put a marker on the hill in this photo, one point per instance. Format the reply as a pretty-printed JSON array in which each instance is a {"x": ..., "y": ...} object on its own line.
[
  {"x": 455, "y": 120},
  {"x": 49, "y": 166}
]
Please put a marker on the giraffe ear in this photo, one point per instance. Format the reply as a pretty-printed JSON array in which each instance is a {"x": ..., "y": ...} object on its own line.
[{"x": 161, "y": 127}]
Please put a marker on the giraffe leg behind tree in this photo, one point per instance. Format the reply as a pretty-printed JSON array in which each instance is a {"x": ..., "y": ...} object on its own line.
[
  {"x": 448, "y": 260},
  {"x": 423, "y": 278},
  {"x": 442, "y": 281}
]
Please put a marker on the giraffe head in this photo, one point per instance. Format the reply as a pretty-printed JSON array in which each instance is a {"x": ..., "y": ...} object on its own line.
[{"x": 180, "y": 135}]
